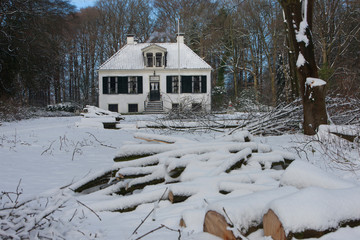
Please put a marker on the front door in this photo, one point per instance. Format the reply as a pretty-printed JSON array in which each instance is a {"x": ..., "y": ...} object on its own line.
[{"x": 154, "y": 91}]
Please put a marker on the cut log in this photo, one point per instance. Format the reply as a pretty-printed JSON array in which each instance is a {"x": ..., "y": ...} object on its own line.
[
  {"x": 302, "y": 217},
  {"x": 273, "y": 227},
  {"x": 153, "y": 140},
  {"x": 350, "y": 138},
  {"x": 97, "y": 183},
  {"x": 176, "y": 172},
  {"x": 110, "y": 125},
  {"x": 246, "y": 212},
  {"x": 237, "y": 164},
  {"x": 216, "y": 224},
  {"x": 177, "y": 198},
  {"x": 141, "y": 185},
  {"x": 129, "y": 157}
]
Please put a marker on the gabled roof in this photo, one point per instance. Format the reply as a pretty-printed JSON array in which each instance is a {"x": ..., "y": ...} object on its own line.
[
  {"x": 130, "y": 57},
  {"x": 153, "y": 46}
]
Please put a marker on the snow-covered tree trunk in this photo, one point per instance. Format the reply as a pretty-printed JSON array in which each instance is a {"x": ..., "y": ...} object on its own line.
[{"x": 298, "y": 16}]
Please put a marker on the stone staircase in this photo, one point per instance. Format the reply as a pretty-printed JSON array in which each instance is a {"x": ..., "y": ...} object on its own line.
[{"x": 154, "y": 107}]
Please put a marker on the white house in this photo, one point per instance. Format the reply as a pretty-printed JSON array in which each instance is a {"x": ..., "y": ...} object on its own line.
[{"x": 144, "y": 77}]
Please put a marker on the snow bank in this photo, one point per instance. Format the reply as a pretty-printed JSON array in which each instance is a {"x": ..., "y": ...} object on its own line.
[
  {"x": 301, "y": 174},
  {"x": 317, "y": 208}
]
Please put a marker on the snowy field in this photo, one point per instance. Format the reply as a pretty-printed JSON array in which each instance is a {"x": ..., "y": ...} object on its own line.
[{"x": 47, "y": 158}]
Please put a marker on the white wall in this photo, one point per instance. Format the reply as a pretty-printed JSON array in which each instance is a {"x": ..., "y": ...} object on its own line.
[{"x": 124, "y": 99}]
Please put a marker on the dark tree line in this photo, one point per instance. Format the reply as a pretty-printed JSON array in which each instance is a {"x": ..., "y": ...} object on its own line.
[{"x": 50, "y": 53}]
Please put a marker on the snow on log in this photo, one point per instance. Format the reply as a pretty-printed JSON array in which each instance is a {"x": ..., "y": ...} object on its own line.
[
  {"x": 95, "y": 112},
  {"x": 245, "y": 213},
  {"x": 193, "y": 220},
  {"x": 233, "y": 162},
  {"x": 182, "y": 191},
  {"x": 301, "y": 174},
  {"x": 313, "y": 212},
  {"x": 135, "y": 172},
  {"x": 238, "y": 136},
  {"x": 94, "y": 182},
  {"x": 273, "y": 160},
  {"x": 129, "y": 202},
  {"x": 131, "y": 152},
  {"x": 178, "y": 197},
  {"x": 227, "y": 187},
  {"x": 161, "y": 138},
  {"x": 349, "y": 133},
  {"x": 139, "y": 183}
]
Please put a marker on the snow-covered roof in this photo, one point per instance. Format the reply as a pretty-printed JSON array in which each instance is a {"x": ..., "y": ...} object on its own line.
[{"x": 130, "y": 57}]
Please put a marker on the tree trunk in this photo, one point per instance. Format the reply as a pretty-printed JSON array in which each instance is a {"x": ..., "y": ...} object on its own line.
[{"x": 313, "y": 97}]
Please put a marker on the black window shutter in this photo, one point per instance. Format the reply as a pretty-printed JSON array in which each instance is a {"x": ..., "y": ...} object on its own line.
[
  {"x": 186, "y": 84},
  {"x": 168, "y": 84},
  {"x": 112, "y": 85},
  {"x": 123, "y": 85},
  {"x": 203, "y": 84},
  {"x": 105, "y": 85},
  {"x": 140, "y": 84}
]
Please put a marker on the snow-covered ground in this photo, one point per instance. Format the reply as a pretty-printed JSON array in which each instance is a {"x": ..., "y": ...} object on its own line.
[{"x": 48, "y": 154}]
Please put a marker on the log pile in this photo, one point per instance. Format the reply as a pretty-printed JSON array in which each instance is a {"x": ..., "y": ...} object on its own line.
[
  {"x": 171, "y": 162},
  {"x": 249, "y": 186}
]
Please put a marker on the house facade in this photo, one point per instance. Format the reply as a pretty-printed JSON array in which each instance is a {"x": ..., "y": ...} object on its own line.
[{"x": 154, "y": 77}]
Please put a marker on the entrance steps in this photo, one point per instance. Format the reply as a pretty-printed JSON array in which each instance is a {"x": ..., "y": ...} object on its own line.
[{"x": 154, "y": 107}]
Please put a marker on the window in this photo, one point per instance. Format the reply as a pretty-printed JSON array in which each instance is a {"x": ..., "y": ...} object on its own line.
[
  {"x": 195, "y": 107},
  {"x": 175, "y": 84},
  {"x": 113, "y": 85},
  {"x": 110, "y": 85},
  {"x": 172, "y": 84},
  {"x": 158, "y": 59},
  {"x": 132, "y": 108},
  {"x": 193, "y": 84},
  {"x": 149, "y": 60},
  {"x": 196, "y": 84},
  {"x": 113, "y": 108},
  {"x": 132, "y": 85},
  {"x": 123, "y": 84},
  {"x": 186, "y": 84},
  {"x": 175, "y": 106}
]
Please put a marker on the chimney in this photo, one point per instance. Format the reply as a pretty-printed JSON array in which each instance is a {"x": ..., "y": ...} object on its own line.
[
  {"x": 180, "y": 37},
  {"x": 130, "y": 38}
]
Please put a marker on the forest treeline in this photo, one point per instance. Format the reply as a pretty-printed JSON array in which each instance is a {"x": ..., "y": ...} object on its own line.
[{"x": 50, "y": 52}]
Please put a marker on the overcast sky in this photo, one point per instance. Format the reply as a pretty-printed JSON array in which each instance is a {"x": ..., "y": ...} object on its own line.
[{"x": 83, "y": 3}]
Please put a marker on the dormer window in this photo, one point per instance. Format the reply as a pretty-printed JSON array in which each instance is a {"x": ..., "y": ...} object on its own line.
[
  {"x": 158, "y": 59},
  {"x": 149, "y": 60},
  {"x": 154, "y": 56}
]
